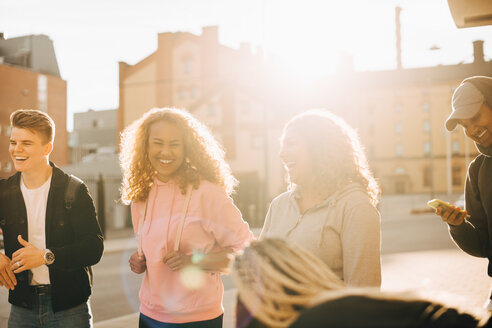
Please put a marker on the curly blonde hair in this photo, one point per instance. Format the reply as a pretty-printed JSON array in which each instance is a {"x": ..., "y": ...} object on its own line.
[
  {"x": 337, "y": 155},
  {"x": 204, "y": 157},
  {"x": 277, "y": 279}
]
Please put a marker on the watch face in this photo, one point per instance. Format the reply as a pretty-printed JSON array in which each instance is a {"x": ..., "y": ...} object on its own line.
[{"x": 49, "y": 257}]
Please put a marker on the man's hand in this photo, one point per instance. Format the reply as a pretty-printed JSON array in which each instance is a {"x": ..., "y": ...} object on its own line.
[
  {"x": 452, "y": 215},
  {"x": 176, "y": 260},
  {"x": 138, "y": 263},
  {"x": 7, "y": 277},
  {"x": 27, "y": 257}
]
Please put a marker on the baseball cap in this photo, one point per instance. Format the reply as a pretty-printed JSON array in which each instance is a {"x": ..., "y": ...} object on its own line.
[{"x": 467, "y": 100}]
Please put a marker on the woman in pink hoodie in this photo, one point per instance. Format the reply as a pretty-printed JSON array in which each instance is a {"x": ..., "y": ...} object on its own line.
[{"x": 187, "y": 226}]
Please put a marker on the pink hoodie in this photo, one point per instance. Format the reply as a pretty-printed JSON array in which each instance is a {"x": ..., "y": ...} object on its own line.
[{"x": 212, "y": 222}]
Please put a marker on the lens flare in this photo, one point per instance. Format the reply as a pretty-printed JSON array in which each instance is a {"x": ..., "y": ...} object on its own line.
[{"x": 192, "y": 277}]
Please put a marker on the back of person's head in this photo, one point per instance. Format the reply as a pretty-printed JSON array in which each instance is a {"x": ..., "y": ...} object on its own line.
[
  {"x": 35, "y": 121},
  {"x": 336, "y": 153},
  {"x": 277, "y": 279}
]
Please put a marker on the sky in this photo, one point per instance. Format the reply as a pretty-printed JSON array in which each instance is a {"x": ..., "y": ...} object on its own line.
[{"x": 306, "y": 36}]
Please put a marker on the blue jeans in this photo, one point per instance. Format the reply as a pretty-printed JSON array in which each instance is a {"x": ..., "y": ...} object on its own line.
[
  {"x": 146, "y": 322},
  {"x": 41, "y": 315}
]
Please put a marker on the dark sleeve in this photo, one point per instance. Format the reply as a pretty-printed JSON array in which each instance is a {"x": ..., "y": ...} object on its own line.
[
  {"x": 472, "y": 236},
  {"x": 362, "y": 312},
  {"x": 2, "y": 205},
  {"x": 86, "y": 247}
]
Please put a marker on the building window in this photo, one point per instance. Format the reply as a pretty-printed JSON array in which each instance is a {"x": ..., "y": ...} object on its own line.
[
  {"x": 187, "y": 65},
  {"x": 400, "y": 170},
  {"x": 371, "y": 153},
  {"x": 456, "y": 175},
  {"x": 427, "y": 148},
  {"x": 456, "y": 147},
  {"x": 212, "y": 111},
  {"x": 427, "y": 174},
  {"x": 398, "y": 108},
  {"x": 245, "y": 108},
  {"x": 399, "y": 150},
  {"x": 181, "y": 93},
  {"x": 426, "y": 106},
  {"x": 427, "y": 126},
  {"x": 193, "y": 93},
  {"x": 256, "y": 142},
  {"x": 398, "y": 128},
  {"x": 8, "y": 167},
  {"x": 42, "y": 93},
  {"x": 8, "y": 130},
  {"x": 95, "y": 123}
]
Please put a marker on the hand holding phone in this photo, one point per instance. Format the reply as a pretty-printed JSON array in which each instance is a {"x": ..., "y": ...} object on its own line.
[
  {"x": 436, "y": 203},
  {"x": 448, "y": 212}
]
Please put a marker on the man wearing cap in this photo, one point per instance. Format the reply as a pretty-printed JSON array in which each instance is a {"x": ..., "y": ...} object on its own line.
[{"x": 472, "y": 109}]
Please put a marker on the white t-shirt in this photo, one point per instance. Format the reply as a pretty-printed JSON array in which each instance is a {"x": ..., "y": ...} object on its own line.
[{"x": 36, "y": 200}]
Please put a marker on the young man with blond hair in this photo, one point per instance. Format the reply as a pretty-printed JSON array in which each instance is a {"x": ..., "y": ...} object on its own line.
[{"x": 49, "y": 245}]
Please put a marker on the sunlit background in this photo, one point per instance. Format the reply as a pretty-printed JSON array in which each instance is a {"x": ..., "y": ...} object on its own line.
[
  {"x": 244, "y": 68},
  {"x": 308, "y": 36},
  {"x": 388, "y": 67}
]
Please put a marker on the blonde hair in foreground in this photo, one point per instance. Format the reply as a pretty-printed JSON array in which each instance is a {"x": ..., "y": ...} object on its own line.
[
  {"x": 337, "y": 155},
  {"x": 276, "y": 280},
  {"x": 204, "y": 157}
]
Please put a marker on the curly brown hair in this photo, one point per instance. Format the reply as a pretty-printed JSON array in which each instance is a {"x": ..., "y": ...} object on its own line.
[
  {"x": 336, "y": 153},
  {"x": 204, "y": 157}
]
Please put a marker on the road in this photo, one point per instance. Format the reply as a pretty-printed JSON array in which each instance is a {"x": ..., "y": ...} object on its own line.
[
  {"x": 415, "y": 233},
  {"x": 115, "y": 292}
]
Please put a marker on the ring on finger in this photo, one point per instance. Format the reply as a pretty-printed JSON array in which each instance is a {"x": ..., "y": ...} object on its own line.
[{"x": 18, "y": 264}]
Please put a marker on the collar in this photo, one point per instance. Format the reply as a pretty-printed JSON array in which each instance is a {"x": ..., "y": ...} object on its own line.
[
  {"x": 57, "y": 178},
  {"x": 159, "y": 183},
  {"x": 332, "y": 199}
]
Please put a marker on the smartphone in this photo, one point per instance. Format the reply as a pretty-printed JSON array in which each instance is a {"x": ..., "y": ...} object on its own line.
[{"x": 435, "y": 203}]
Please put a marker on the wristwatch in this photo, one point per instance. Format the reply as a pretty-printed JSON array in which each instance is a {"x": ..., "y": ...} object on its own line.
[{"x": 49, "y": 257}]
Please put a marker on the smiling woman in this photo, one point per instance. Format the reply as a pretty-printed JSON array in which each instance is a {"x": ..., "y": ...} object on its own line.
[
  {"x": 187, "y": 226},
  {"x": 166, "y": 149},
  {"x": 330, "y": 206}
]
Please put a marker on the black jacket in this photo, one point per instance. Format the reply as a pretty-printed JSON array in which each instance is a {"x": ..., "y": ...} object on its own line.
[
  {"x": 366, "y": 312},
  {"x": 475, "y": 236},
  {"x": 360, "y": 311},
  {"x": 74, "y": 236}
]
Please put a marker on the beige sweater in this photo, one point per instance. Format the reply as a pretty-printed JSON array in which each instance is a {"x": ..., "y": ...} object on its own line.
[{"x": 344, "y": 231}]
